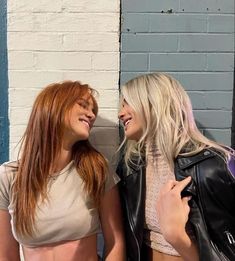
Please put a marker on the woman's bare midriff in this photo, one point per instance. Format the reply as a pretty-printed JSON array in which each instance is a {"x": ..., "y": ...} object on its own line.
[
  {"x": 83, "y": 249},
  {"x": 154, "y": 255}
]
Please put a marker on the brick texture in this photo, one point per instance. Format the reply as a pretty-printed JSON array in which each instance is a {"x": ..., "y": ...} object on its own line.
[
  {"x": 194, "y": 42},
  {"x": 51, "y": 41}
]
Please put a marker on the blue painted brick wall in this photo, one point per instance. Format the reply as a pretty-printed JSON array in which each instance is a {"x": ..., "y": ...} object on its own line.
[
  {"x": 194, "y": 42},
  {"x": 4, "y": 133}
]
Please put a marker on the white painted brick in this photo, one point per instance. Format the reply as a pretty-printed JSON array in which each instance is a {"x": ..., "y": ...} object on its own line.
[
  {"x": 60, "y": 22},
  {"x": 63, "y": 40},
  {"x": 102, "y": 80},
  {"x": 106, "y": 80},
  {"x": 22, "y": 97},
  {"x": 35, "y": 41},
  {"x": 105, "y": 61},
  {"x": 33, "y": 79},
  {"x": 106, "y": 42},
  {"x": 108, "y": 98},
  {"x": 20, "y": 22},
  {"x": 87, "y": 6},
  {"x": 80, "y": 22},
  {"x": 14, "y": 148},
  {"x": 18, "y": 60},
  {"x": 16, "y": 132},
  {"x": 19, "y": 116},
  {"x": 16, "y": 139},
  {"x": 34, "y": 6},
  {"x": 63, "y": 61}
]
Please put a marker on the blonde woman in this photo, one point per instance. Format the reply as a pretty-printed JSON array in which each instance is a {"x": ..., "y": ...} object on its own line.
[
  {"x": 177, "y": 186},
  {"x": 55, "y": 198}
]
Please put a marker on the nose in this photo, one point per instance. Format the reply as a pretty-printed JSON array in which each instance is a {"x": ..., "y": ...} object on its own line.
[
  {"x": 121, "y": 113},
  {"x": 91, "y": 115}
]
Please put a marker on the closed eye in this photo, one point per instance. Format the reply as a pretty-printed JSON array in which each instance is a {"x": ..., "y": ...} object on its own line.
[{"x": 84, "y": 104}]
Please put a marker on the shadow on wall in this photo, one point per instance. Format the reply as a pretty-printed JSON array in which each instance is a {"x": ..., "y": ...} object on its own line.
[
  {"x": 105, "y": 138},
  {"x": 202, "y": 129}
]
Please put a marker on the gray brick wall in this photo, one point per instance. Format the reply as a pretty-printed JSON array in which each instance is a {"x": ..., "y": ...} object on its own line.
[{"x": 194, "y": 42}]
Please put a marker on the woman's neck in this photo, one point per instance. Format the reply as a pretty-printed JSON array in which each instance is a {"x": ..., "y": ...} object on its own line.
[{"x": 64, "y": 158}]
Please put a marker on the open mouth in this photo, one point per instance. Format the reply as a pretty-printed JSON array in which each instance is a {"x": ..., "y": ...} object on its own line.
[
  {"x": 86, "y": 123},
  {"x": 126, "y": 122}
]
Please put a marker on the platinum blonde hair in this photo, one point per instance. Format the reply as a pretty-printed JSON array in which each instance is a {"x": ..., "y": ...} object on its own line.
[{"x": 167, "y": 118}]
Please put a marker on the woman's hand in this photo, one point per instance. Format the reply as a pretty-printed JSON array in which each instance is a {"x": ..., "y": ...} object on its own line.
[
  {"x": 172, "y": 209},
  {"x": 173, "y": 214}
]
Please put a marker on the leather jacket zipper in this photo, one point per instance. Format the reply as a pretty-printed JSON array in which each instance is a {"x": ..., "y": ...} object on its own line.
[{"x": 229, "y": 237}]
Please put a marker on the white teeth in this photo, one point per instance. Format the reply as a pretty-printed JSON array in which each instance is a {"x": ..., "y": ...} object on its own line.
[
  {"x": 127, "y": 122},
  {"x": 86, "y": 123}
]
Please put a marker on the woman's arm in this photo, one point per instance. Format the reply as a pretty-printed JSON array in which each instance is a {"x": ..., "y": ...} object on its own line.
[
  {"x": 173, "y": 214},
  {"x": 9, "y": 247},
  {"x": 111, "y": 222}
]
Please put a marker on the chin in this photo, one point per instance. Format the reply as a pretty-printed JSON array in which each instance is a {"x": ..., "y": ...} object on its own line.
[
  {"x": 130, "y": 137},
  {"x": 84, "y": 136}
]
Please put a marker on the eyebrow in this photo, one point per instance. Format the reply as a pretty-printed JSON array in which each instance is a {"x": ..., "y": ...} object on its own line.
[{"x": 83, "y": 100}]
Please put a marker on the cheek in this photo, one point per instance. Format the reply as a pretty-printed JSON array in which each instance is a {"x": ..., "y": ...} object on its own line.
[
  {"x": 137, "y": 126},
  {"x": 138, "y": 122},
  {"x": 137, "y": 129}
]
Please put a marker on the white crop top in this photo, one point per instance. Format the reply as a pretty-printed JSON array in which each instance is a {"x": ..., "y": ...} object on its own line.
[{"x": 67, "y": 215}]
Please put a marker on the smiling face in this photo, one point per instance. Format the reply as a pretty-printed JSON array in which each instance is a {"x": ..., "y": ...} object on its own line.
[
  {"x": 80, "y": 120},
  {"x": 131, "y": 121}
]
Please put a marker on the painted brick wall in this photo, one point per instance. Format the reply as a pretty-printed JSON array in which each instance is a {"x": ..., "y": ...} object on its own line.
[
  {"x": 191, "y": 40},
  {"x": 51, "y": 41}
]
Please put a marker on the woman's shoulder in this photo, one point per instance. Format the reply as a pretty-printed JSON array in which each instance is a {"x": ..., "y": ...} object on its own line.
[
  {"x": 8, "y": 171},
  {"x": 10, "y": 166}
]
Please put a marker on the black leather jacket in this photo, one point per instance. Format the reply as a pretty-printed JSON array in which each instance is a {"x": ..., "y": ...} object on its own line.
[{"x": 212, "y": 215}]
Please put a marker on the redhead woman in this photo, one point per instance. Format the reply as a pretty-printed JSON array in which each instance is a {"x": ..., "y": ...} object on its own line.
[
  {"x": 60, "y": 193},
  {"x": 177, "y": 186}
]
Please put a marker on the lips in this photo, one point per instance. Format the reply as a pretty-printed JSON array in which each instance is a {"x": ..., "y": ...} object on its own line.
[
  {"x": 126, "y": 122},
  {"x": 86, "y": 122}
]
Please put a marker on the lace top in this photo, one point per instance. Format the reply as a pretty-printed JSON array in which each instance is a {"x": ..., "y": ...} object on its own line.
[{"x": 157, "y": 174}]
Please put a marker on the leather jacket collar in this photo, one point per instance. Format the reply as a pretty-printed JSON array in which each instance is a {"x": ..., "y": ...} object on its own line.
[{"x": 212, "y": 205}]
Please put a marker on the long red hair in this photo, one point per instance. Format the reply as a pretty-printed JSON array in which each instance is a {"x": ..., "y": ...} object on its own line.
[{"x": 41, "y": 145}]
